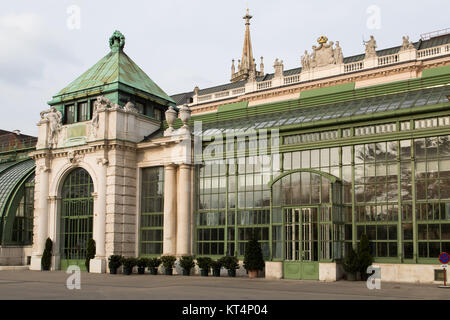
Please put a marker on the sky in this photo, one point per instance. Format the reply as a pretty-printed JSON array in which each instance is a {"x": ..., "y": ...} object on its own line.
[{"x": 47, "y": 44}]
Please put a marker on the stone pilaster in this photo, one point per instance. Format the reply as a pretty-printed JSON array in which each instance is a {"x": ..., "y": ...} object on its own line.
[
  {"x": 184, "y": 210},
  {"x": 170, "y": 209},
  {"x": 42, "y": 217}
]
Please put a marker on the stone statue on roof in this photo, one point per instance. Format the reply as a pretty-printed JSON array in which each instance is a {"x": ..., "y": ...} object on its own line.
[
  {"x": 54, "y": 118},
  {"x": 371, "y": 46},
  {"x": 406, "y": 44},
  {"x": 338, "y": 55},
  {"x": 306, "y": 61}
]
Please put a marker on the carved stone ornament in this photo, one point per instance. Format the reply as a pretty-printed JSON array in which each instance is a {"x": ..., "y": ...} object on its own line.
[
  {"x": 322, "y": 55},
  {"x": 129, "y": 107},
  {"x": 278, "y": 66},
  {"x": 54, "y": 118},
  {"x": 185, "y": 115},
  {"x": 171, "y": 116},
  {"x": 74, "y": 157}
]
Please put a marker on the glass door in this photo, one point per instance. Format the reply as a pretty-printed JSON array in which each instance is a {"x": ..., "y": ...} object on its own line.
[{"x": 301, "y": 234}]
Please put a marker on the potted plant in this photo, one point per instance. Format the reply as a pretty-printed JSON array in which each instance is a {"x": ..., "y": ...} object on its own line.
[
  {"x": 231, "y": 264},
  {"x": 90, "y": 253},
  {"x": 253, "y": 257},
  {"x": 204, "y": 263},
  {"x": 115, "y": 261},
  {"x": 187, "y": 263},
  {"x": 168, "y": 262},
  {"x": 128, "y": 265},
  {"x": 365, "y": 259},
  {"x": 351, "y": 265},
  {"x": 153, "y": 264},
  {"x": 216, "y": 265},
  {"x": 46, "y": 260},
  {"x": 141, "y": 264}
]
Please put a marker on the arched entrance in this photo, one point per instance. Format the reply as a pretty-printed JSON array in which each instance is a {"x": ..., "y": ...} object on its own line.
[
  {"x": 77, "y": 207},
  {"x": 310, "y": 223}
]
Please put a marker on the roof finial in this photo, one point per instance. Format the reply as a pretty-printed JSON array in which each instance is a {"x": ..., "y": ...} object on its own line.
[
  {"x": 247, "y": 17},
  {"x": 117, "y": 41}
]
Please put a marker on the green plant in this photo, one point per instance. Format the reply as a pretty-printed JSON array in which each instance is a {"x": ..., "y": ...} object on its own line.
[
  {"x": 187, "y": 262},
  {"x": 253, "y": 257},
  {"x": 168, "y": 261},
  {"x": 115, "y": 261},
  {"x": 153, "y": 262},
  {"x": 204, "y": 263},
  {"x": 365, "y": 259},
  {"x": 351, "y": 262},
  {"x": 90, "y": 252},
  {"x": 142, "y": 262},
  {"x": 129, "y": 263},
  {"x": 229, "y": 262},
  {"x": 47, "y": 255},
  {"x": 216, "y": 265}
]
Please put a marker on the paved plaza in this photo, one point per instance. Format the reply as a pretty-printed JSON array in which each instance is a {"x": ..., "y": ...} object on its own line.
[{"x": 52, "y": 285}]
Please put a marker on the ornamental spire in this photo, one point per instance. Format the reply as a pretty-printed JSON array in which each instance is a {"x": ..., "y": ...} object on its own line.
[
  {"x": 117, "y": 41},
  {"x": 247, "y": 64}
]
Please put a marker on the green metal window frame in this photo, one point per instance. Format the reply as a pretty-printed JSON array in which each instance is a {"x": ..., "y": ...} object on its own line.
[{"x": 152, "y": 211}]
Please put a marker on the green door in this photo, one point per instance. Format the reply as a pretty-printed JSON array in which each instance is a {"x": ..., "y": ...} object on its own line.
[
  {"x": 301, "y": 243},
  {"x": 76, "y": 218}
]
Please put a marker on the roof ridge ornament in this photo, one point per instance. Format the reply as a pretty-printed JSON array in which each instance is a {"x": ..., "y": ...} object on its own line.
[{"x": 117, "y": 41}]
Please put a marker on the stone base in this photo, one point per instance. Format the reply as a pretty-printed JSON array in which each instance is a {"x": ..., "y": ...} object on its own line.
[
  {"x": 97, "y": 265},
  {"x": 274, "y": 270},
  {"x": 330, "y": 272},
  {"x": 36, "y": 263}
]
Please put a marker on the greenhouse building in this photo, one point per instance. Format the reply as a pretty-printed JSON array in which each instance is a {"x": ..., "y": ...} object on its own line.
[{"x": 308, "y": 158}]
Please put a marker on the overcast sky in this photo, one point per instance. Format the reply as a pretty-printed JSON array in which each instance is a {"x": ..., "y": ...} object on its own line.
[{"x": 182, "y": 43}]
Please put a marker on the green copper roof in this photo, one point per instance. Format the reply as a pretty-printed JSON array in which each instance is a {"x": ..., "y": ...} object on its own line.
[{"x": 115, "y": 67}]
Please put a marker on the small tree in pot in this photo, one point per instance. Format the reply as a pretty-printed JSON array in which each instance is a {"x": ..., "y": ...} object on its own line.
[
  {"x": 365, "y": 259},
  {"x": 115, "y": 261},
  {"x": 168, "y": 262},
  {"x": 204, "y": 263},
  {"x": 153, "y": 264},
  {"x": 90, "y": 253},
  {"x": 231, "y": 264},
  {"x": 46, "y": 260},
  {"x": 141, "y": 264},
  {"x": 128, "y": 265},
  {"x": 351, "y": 265},
  {"x": 216, "y": 265},
  {"x": 187, "y": 263},
  {"x": 253, "y": 258}
]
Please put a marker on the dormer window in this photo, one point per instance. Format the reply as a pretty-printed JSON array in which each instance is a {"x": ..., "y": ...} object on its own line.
[
  {"x": 78, "y": 111},
  {"x": 83, "y": 112},
  {"x": 69, "y": 113}
]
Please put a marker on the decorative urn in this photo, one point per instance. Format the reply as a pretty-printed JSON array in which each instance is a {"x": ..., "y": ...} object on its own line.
[
  {"x": 171, "y": 116},
  {"x": 185, "y": 115}
]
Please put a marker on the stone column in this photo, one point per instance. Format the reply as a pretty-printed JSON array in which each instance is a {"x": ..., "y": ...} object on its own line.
[
  {"x": 98, "y": 264},
  {"x": 42, "y": 218},
  {"x": 170, "y": 209},
  {"x": 184, "y": 211}
]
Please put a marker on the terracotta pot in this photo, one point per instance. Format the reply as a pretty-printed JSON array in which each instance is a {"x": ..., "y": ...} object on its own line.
[{"x": 253, "y": 273}]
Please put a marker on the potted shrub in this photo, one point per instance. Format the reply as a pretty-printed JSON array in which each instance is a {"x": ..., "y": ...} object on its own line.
[
  {"x": 141, "y": 264},
  {"x": 128, "y": 265},
  {"x": 90, "y": 253},
  {"x": 46, "y": 260},
  {"x": 204, "y": 263},
  {"x": 187, "y": 263},
  {"x": 115, "y": 261},
  {"x": 231, "y": 264},
  {"x": 253, "y": 257},
  {"x": 153, "y": 264},
  {"x": 216, "y": 265},
  {"x": 365, "y": 259},
  {"x": 168, "y": 262},
  {"x": 351, "y": 265}
]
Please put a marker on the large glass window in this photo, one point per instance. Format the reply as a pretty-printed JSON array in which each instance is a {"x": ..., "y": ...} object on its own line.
[
  {"x": 152, "y": 211},
  {"x": 83, "y": 112}
]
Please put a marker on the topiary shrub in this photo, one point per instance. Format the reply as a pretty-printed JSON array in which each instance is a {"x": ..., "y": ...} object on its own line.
[
  {"x": 351, "y": 265},
  {"x": 253, "y": 256},
  {"x": 141, "y": 264},
  {"x": 365, "y": 259},
  {"x": 204, "y": 263},
  {"x": 128, "y": 265},
  {"x": 187, "y": 263},
  {"x": 168, "y": 262},
  {"x": 46, "y": 260},
  {"x": 231, "y": 264},
  {"x": 216, "y": 265},
  {"x": 90, "y": 253},
  {"x": 115, "y": 261},
  {"x": 153, "y": 264}
]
